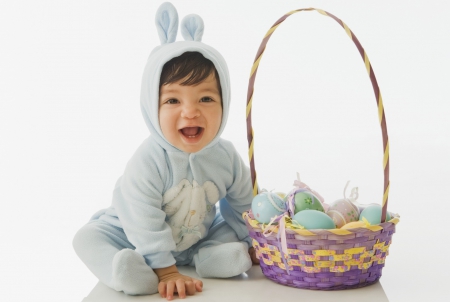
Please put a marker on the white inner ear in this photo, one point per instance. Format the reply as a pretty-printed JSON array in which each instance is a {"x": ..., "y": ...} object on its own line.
[
  {"x": 192, "y": 28},
  {"x": 166, "y": 21},
  {"x": 212, "y": 193}
]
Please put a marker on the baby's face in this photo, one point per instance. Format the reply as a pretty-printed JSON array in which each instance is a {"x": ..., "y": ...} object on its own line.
[{"x": 190, "y": 116}]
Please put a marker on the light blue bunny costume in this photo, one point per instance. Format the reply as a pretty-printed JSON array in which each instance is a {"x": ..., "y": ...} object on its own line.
[{"x": 163, "y": 209}]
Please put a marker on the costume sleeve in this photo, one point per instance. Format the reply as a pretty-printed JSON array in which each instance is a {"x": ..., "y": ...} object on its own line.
[
  {"x": 137, "y": 200},
  {"x": 239, "y": 197}
]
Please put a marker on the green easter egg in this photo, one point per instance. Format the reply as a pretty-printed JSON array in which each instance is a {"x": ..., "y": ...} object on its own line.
[
  {"x": 312, "y": 219},
  {"x": 306, "y": 201}
]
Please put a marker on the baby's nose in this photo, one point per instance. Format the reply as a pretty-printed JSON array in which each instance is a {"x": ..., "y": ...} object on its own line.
[{"x": 190, "y": 111}]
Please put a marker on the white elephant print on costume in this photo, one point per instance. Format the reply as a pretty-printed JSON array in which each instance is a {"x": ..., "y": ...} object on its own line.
[{"x": 186, "y": 206}]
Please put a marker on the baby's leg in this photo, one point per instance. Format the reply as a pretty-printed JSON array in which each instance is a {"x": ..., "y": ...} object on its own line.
[
  {"x": 111, "y": 258},
  {"x": 221, "y": 254}
]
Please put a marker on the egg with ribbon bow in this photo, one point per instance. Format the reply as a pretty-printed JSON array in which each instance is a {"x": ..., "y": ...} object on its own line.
[
  {"x": 343, "y": 211},
  {"x": 267, "y": 205}
]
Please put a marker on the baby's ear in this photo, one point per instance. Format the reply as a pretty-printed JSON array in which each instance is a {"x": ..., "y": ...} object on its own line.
[
  {"x": 166, "y": 21},
  {"x": 192, "y": 28}
]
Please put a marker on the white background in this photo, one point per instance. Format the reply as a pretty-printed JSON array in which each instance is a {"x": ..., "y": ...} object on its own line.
[{"x": 70, "y": 120}]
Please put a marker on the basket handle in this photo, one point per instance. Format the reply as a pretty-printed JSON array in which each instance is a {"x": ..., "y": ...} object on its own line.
[{"x": 381, "y": 115}]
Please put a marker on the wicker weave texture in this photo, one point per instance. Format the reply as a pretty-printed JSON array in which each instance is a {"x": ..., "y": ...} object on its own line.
[{"x": 325, "y": 261}]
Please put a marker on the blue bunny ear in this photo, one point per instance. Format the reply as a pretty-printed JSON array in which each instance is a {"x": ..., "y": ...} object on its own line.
[
  {"x": 166, "y": 21},
  {"x": 192, "y": 28}
]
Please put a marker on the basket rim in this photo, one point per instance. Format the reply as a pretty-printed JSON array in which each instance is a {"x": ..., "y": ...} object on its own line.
[{"x": 253, "y": 223}]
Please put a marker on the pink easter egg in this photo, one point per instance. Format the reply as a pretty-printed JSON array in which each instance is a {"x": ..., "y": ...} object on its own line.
[{"x": 342, "y": 211}]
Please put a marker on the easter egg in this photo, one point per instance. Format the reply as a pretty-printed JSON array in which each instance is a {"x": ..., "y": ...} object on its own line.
[
  {"x": 354, "y": 225},
  {"x": 373, "y": 214},
  {"x": 343, "y": 211},
  {"x": 266, "y": 205},
  {"x": 304, "y": 200},
  {"x": 313, "y": 219}
]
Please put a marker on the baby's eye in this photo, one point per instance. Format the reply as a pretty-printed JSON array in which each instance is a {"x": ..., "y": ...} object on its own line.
[
  {"x": 206, "y": 99},
  {"x": 172, "y": 101}
]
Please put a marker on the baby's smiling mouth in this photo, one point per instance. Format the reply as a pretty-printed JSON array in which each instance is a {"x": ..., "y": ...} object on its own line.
[{"x": 191, "y": 132}]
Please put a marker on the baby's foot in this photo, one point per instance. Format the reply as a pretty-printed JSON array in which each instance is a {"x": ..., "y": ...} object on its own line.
[
  {"x": 223, "y": 261},
  {"x": 132, "y": 275}
]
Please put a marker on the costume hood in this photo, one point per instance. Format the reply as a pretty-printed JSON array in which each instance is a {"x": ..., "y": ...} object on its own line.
[{"x": 192, "y": 30}]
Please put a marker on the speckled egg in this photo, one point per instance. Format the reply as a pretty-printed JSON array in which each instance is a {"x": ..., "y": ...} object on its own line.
[
  {"x": 266, "y": 205},
  {"x": 343, "y": 211},
  {"x": 313, "y": 219},
  {"x": 304, "y": 200},
  {"x": 373, "y": 214}
]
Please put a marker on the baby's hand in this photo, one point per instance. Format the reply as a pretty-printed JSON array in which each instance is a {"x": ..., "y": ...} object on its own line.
[
  {"x": 171, "y": 281},
  {"x": 252, "y": 253}
]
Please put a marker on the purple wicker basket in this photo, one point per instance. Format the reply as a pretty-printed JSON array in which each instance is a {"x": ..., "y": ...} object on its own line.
[{"x": 321, "y": 259}]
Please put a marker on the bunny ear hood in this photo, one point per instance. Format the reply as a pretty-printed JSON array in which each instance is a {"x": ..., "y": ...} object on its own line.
[{"x": 192, "y": 28}]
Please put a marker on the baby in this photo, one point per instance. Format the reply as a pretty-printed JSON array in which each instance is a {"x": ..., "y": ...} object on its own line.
[{"x": 163, "y": 211}]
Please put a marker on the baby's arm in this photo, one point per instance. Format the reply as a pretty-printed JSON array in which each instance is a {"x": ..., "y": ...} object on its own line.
[
  {"x": 238, "y": 199},
  {"x": 171, "y": 281}
]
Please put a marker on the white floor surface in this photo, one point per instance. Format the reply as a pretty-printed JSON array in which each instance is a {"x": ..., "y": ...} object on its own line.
[{"x": 252, "y": 286}]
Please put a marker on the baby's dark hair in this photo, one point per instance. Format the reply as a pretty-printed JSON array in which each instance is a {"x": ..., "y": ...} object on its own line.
[{"x": 193, "y": 67}]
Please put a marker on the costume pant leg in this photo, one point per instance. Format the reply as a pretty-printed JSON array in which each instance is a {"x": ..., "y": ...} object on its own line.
[
  {"x": 108, "y": 254},
  {"x": 221, "y": 254},
  {"x": 219, "y": 232}
]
